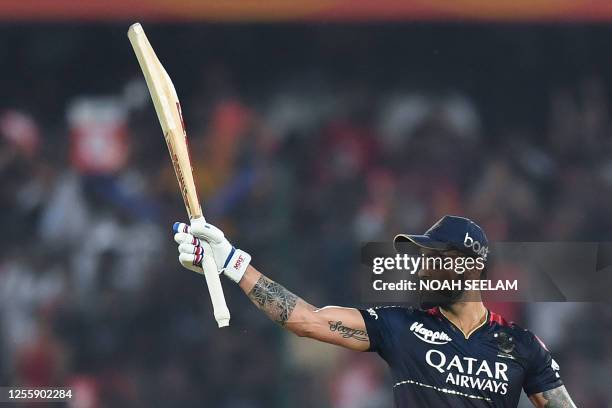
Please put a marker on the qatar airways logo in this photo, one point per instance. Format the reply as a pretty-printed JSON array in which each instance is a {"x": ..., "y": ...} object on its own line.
[
  {"x": 429, "y": 336},
  {"x": 470, "y": 372}
]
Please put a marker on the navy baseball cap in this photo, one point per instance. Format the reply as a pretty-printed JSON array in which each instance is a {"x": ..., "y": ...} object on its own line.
[{"x": 450, "y": 232}]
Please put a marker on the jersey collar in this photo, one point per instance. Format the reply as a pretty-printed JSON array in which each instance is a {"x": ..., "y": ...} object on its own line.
[{"x": 438, "y": 311}]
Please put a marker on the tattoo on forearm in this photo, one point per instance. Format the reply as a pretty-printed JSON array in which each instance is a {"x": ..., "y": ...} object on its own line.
[
  {"x": 348, "y": 332},
  {"x": 272, "y": 298},
  {"x": 558, "y": 398}
]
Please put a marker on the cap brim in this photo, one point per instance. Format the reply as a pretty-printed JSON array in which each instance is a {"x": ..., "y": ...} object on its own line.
[{"x": 420, "y": 241}]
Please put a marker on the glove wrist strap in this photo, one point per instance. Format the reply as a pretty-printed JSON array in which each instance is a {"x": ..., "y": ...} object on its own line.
[{"x": 236, "y": 264}]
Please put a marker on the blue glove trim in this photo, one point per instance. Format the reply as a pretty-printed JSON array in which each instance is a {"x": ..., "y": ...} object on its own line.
[
  {"x": 177, "y": 227},
  {"x": 229, "y": 256}
]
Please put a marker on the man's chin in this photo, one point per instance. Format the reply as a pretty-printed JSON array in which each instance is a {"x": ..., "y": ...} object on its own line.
[
  {"x": 443, "y": 299},
  {"x": 428, "y": 304}
]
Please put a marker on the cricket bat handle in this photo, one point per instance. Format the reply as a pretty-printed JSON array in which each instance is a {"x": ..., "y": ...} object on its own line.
[{"x": 220, "y": 310}]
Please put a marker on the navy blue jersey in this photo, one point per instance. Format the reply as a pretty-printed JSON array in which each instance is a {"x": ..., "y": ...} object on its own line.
[{"x": 434, "y": 365}]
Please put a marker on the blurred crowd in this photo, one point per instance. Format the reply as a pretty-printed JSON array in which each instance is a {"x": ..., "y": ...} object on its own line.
[{"x": 299, "y": 175}]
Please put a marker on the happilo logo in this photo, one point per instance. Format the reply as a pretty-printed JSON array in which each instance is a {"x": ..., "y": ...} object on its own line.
[
  {"x": 476, "y": 246},
  {"x": 429, "y": 336}
]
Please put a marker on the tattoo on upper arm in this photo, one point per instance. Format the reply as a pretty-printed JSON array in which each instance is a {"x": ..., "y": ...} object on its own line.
[
  {"x": 348, "y": 332},
  {"x": 276, "y": 301},
  {"x": 558, "y": 398}
]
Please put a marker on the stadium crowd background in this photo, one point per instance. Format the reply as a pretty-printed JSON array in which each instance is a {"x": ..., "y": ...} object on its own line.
[{"x": 306, "y": 141}]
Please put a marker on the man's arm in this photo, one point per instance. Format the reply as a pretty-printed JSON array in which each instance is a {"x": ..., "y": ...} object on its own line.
[
  {"x": 555, "y": 398},
  {"x": 335, "y": 325}
]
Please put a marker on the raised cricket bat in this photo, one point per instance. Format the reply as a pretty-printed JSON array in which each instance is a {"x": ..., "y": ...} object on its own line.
[{"x": 170, "y": 117}]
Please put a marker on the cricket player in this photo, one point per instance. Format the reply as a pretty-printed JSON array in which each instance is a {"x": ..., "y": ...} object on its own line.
[{"x": 450, "y": 352}]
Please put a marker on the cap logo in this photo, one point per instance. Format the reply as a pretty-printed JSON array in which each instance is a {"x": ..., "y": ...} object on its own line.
[{"x": 475, "y": 246}]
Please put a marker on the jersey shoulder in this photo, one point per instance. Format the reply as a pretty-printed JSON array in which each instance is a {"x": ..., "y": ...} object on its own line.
[
  {"x": 511, "y": 335},
  {"x": 392, "y": 316},
  {"x": 377, "y": 312},
  {"x": 522, "y": 345},
  {"x": 499, "y": 323}
]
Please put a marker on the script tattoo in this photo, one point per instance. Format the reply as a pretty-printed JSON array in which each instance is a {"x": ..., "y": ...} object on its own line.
[
  {"x": 348, "y": 332},
  {"x": 276, "y": 301},
  {"x": 558, "y": 398}
]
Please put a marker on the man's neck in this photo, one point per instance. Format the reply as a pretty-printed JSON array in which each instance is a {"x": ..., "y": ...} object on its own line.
[{"x": 467, "y": 316}]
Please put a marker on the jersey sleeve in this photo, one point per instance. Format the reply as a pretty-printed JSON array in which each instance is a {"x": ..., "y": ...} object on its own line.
[
  {"x": 380, "y": 323},
  {"x": 543, "y": 371}
]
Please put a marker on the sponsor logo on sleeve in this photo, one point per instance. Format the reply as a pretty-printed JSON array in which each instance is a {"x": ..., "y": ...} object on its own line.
[{"x": 555, "y": 368}]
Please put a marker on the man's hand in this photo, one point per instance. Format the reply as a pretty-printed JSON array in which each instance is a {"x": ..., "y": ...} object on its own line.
[
  {"x": 192, "y": 252},
  {"x": 201, "y": 238}
]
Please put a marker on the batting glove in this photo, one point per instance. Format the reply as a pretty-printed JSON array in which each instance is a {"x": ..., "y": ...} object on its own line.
[
  {"x": 201, "y": 239},
  {"x": 192, "y": 252}
]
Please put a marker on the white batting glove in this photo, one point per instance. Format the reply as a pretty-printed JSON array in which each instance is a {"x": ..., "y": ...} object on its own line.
[
  {"x": 192, "y": 252},
  {"x": 201, "y": 239}
]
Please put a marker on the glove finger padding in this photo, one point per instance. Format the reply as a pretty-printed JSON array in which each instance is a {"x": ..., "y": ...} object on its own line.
[
  {"x": 190, "y": 249},
  {"x": 184, "y": 238},
  {"x": 191, "y": 261},
  {"x": 201, "y": 230},
  {"x": 192, "y": 256}
]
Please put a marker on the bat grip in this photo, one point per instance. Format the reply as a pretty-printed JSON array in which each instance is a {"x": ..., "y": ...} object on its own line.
[{"x": 220, "y": 310}]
